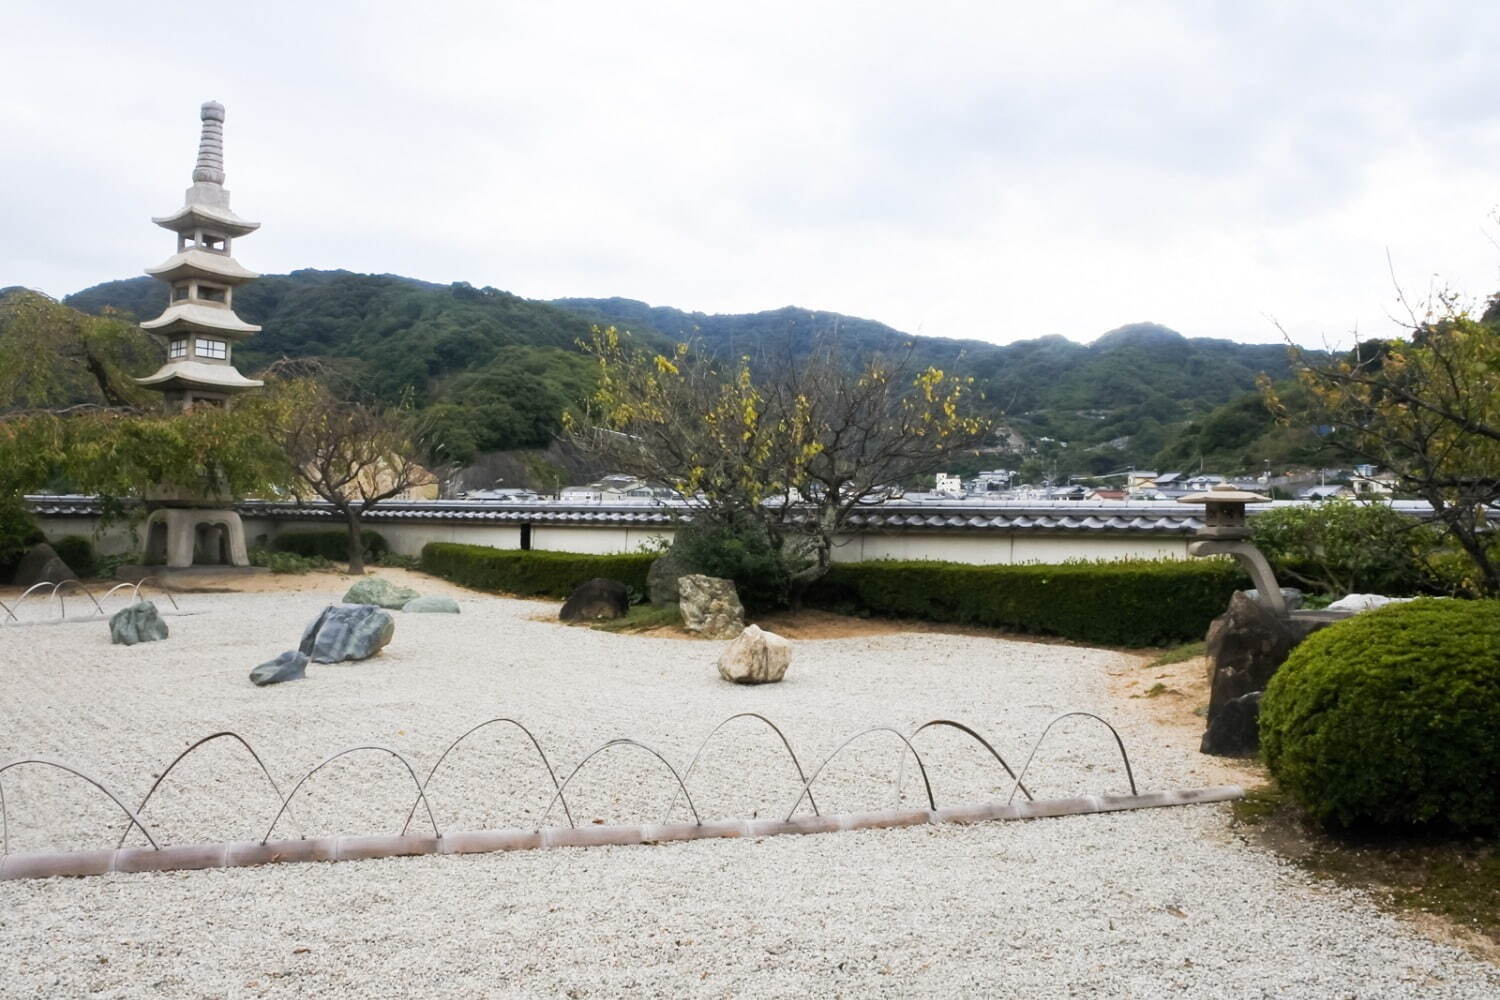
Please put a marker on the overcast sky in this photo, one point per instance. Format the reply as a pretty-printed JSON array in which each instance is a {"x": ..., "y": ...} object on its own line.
[{"x": 988, "y": 170}]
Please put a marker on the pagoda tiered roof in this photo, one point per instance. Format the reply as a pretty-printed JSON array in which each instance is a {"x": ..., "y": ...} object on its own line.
[
  {"x": 188, "y": 315},
  {"x": 199, "y": 213},
  {"x": 197, "y": 263},
  {"x": 198, "y": 375}
]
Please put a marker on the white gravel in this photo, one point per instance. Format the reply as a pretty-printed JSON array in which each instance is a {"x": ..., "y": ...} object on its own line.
[{"x": 1152, "y": 903}]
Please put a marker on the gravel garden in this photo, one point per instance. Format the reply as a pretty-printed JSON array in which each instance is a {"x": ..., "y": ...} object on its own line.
[{"x": 1176, "y": 901}]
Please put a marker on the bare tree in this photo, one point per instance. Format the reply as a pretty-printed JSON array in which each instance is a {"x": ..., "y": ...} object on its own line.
[
  {"x": 352, "y": 455},
  {"x": 790, "y": 447}
]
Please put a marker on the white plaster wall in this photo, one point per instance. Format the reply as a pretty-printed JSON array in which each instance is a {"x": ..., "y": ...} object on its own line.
[
  {"x": 595, "y": 539},
  {"x": 980, "y": 548}
]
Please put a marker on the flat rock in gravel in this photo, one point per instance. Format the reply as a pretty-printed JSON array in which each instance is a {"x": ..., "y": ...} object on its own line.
[
  {"x": 41, "y": 564},
  {"x": 432, "y": 605},
  {"x": 594, "y": 599},
  {"x": 381, "y": 593},
  {"x": 710, "y": 606},
  {"x": 140, "y": 622},
  {"x": 289, "y": 666},
  {"x": 347, "y": 632},
  {"x": 756, "y": 657}
]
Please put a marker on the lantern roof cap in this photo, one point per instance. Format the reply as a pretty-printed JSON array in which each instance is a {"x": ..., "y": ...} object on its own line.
[{"x": 1223, "y": 493}]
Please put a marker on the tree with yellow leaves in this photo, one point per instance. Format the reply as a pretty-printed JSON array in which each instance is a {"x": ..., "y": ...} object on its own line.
[
  {"x": 1428, "y": 409},
  {"x": 774, "y": 453}
]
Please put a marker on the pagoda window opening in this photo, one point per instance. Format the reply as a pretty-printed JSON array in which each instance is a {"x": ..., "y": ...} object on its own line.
[
  {"x": 180, "y": 292},
  {"x": 177, "y": 348},
  {"x": 213, "y": 293},
  {"x": 210, "y": 347},
  {"x": 214, "y": 242}
]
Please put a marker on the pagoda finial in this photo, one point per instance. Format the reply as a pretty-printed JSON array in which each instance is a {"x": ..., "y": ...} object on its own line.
[{"x": 210, "y": 166}]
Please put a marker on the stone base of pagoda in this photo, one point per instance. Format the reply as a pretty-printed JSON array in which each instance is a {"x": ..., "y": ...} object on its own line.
[{"x": 187, "y": 537}]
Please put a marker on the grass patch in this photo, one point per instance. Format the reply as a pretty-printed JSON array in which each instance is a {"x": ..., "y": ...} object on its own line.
[
  {"x": 1180, "y": 654},
  {"x": 1455, "y": 878},
  {"x": 641, "y": 618}
]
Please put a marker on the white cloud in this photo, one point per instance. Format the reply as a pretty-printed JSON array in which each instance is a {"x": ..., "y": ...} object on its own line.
[{"x": 981, "y": 170}]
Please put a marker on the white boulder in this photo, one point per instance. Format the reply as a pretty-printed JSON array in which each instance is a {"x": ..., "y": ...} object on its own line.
[
  {"x": 756, "y": 657},
  {"x": 1365, "y": 602}
]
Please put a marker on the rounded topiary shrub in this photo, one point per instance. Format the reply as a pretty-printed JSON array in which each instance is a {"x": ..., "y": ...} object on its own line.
[{"x": 1392, "y": 718}]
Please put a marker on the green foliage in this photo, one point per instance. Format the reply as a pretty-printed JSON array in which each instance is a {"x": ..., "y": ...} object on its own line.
[
  {"x": 288, "y": 562},
  {"x": 396, "y": 560},
  {"x": 18, "y": 532},
  {"x": 78, "y": 552},
  {"x": 1392, "y": 718},
  {"x": 1126, "y": 603},
  {"x": 51, "y": 355},
  {"x": 1116, "y": 400},
  {"x": 742, "y": 552},
  {"x": 1343, "y": 547},
  {"x": 530, "y": 573},
  {"x": 330, "y": 545}
]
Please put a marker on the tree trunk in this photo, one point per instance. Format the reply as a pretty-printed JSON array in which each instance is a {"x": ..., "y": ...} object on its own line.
[{"x": 356, "y": 544}]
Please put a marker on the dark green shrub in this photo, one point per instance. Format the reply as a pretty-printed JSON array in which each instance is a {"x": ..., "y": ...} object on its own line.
[
  {"x": 530, "y": 573},
  {"x": 78, "y": 552},
  {"x": 743, "y": 553},
  {"x": 1392, "y": 718},
  {"x": 1348, "y": 547},
  {"x": 330, "y": 545},
  {"x": 287, "y": 562},
  {"x": 1127, "y": 603},
  {"x": 18, "y": 532}
]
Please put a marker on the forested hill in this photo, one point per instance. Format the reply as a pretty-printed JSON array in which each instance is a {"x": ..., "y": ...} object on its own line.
[{"x": 499, "y": 368}]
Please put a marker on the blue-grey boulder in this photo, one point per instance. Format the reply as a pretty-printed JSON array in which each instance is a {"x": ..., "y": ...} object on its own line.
[
  {"x": 347, "y": 632},
  {"x": 289, "y": 666},
  {"x": 431, "y": 605},
  {"x": 381, "y": 593},
  {"x": 138, "y": 623}
]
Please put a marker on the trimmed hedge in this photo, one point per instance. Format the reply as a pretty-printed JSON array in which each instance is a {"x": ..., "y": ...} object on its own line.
[
  {"x": 1392, "y": 718},
  {"x": 529, "y": 572},
  {"x": 330, "y": 545},
  {"x": 1126, "y": 603}
]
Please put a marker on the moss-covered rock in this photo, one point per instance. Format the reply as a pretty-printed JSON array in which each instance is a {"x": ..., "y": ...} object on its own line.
[{"x": 1392, "y": 718}]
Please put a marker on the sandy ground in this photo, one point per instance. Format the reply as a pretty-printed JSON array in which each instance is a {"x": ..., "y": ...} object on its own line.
[{"x": 1152, "y": 903}]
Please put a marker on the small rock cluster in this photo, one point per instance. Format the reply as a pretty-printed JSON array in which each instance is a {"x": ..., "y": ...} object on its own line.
[
  {"x": 140, "y": 622},
  {"x": 356, "y": 629}
]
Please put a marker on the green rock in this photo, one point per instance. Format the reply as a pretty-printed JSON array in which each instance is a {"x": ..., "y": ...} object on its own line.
[
  {"x": 381, "y": 593},
  {"x": 431, "y": 605},
  {"x": 138, "y": 623}
]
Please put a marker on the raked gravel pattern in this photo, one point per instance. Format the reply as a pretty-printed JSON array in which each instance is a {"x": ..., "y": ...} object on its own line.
[{"x": 1155, "y": 903}]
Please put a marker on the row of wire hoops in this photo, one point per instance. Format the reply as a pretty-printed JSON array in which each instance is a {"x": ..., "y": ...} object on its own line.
[
  {"x": 60, "y": 590},
  {"x": 805, "y": 793}
]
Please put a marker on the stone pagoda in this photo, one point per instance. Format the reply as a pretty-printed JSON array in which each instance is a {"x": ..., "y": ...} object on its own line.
[
  {"x": 199, "y": 323},
  {"x": 200, "y": 327}
]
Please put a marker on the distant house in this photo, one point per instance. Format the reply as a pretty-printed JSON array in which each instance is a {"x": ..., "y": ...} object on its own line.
[
  {"x": 1368, "y": 482},
  {"x": 616, "y": 488},
  {"x": 1325, "y": 492},
  {"x": 1200, "y": 483},
  {"x": 992, "y": 481},
  {"x": 1108, "y": 495},
  {"x": 945, "y": 483}
]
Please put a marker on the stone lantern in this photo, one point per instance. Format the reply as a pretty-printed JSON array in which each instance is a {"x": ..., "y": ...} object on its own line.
[
  {"x": 1225, "y": 531},
  {"x": 201, "y": 328}
]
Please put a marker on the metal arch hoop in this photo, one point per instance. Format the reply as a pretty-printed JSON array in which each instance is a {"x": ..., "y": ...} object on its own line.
[
  {"x": 159, "y": 586},
  {"x": 807, "y": 785},
  {"x": 534, "y": 742},
  {"x": 1129, "y": 773},
  {"x": 9, "y": 613},
  {"x": 618, "y": 743},
  {"x": 704, "y": 745},
  {"x": 178, "y": 760},
  {"x": 78, "y": 774},
  {"x": 981, "y": 741},
  {"x": 127, "y": 585},
  {"x": 421, "y": 793},
  {"x": 61, "y": 609},
  {"x": 35, "y": 587}
]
